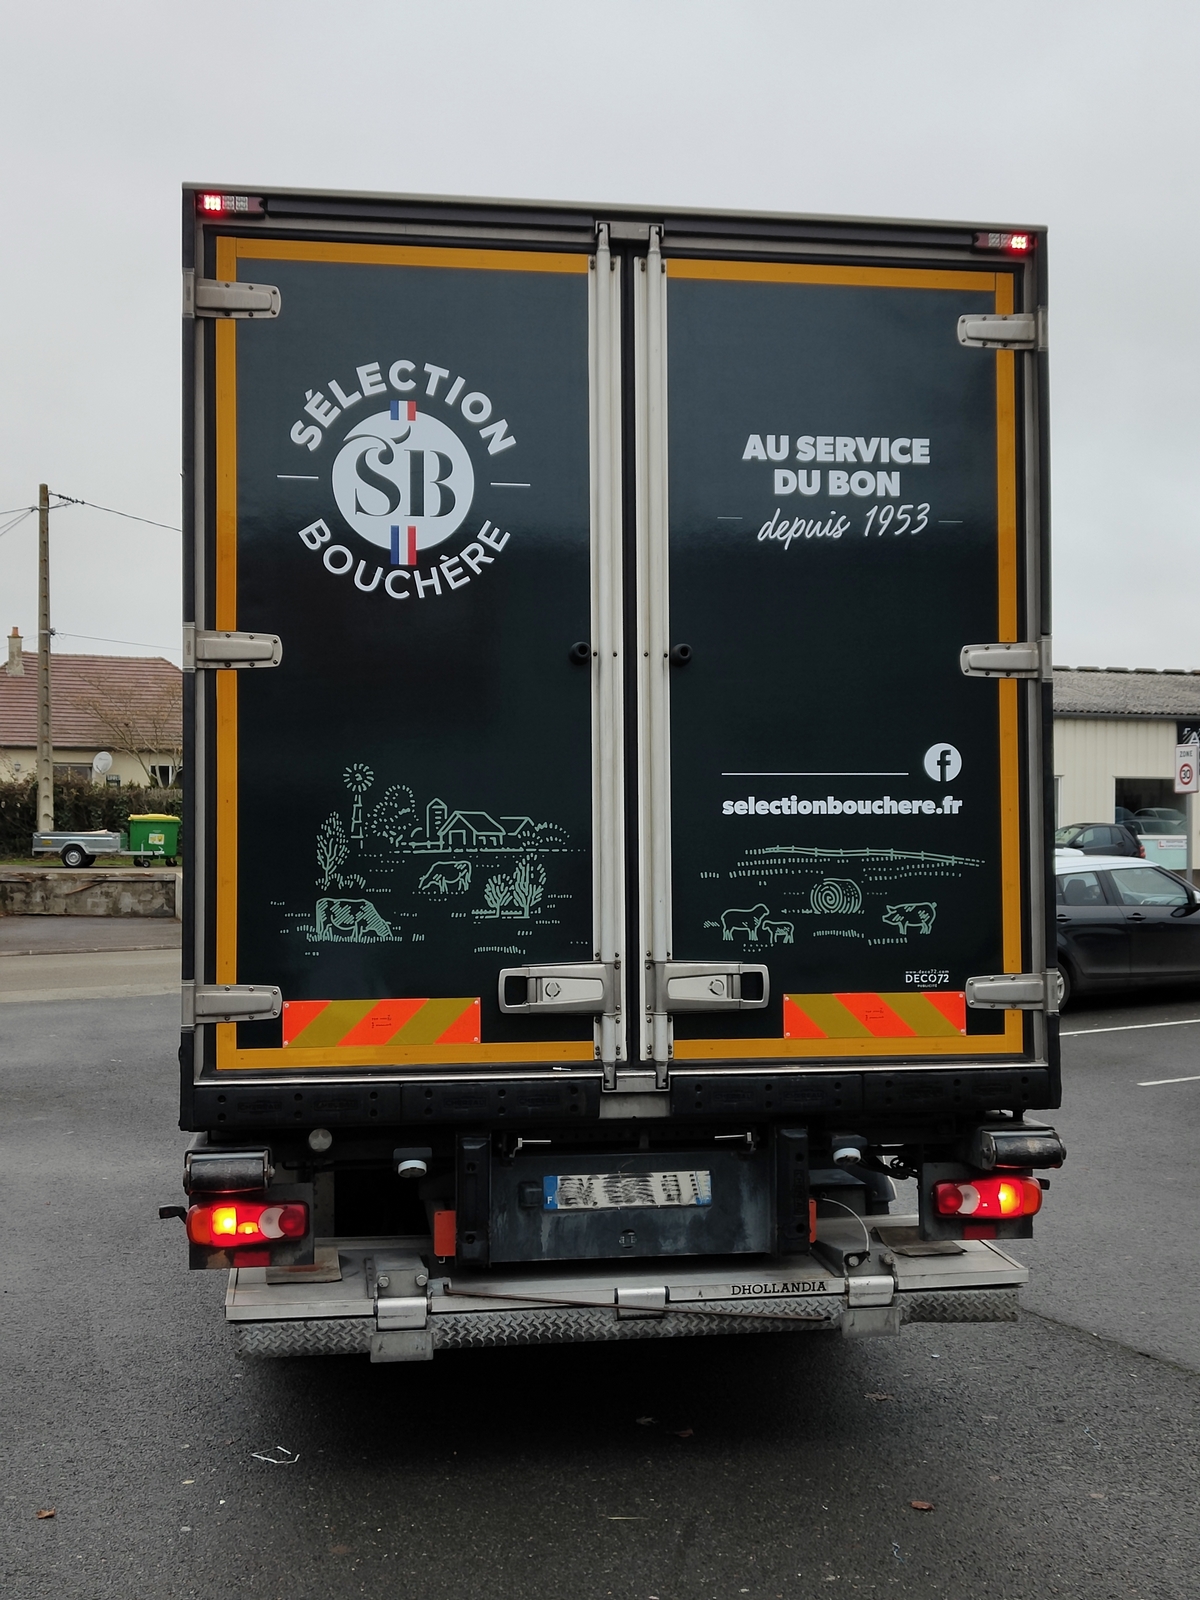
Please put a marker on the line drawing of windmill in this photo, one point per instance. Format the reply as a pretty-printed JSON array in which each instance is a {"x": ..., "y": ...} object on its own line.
[{"x": 358, "y": 778}]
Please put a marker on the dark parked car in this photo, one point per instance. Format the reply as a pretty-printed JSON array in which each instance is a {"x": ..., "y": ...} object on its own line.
[
  {"x": 1101, "y": 839},
  {"x": 1124, "y": 924}
]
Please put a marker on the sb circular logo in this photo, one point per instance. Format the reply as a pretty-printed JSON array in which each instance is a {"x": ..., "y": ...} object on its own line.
[{"x": 403, "y": 480}]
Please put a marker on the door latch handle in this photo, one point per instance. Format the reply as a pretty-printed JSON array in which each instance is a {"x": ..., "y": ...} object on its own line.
[
  {"x": 711, "y": 986},
  {"x": 586, "y": 986}
]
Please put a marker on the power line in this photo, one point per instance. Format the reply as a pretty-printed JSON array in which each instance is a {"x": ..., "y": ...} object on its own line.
[
  {"x": 96, "y": 638},
  {"x": 68, "y": 500},
  {"x": 17, "y": 520},
  {"x": 11, "y": 509}
]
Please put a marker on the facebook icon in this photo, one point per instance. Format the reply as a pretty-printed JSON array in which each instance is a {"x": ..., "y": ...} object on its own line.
[{"x": 943, "y": 763}]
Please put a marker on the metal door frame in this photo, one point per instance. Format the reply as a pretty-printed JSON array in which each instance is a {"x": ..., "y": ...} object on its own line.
[
  {"x": 1018, "y": 513},
  {"x": 216, "y": 730}
]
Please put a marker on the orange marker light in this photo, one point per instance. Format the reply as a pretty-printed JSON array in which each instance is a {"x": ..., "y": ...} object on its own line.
[{"x": 241, "y": 1223}]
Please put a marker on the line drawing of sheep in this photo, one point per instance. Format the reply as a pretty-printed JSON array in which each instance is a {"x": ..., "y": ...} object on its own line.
[
  {"x": 747, "y": 922},
  {"x": 917, "y": 914},
  {"x": 779, "y": 932}
]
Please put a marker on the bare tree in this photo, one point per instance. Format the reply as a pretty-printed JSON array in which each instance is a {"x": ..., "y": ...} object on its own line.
[
  {"x": 147, "y": 726},
  {"x": 529, "y": 880},
  {"x": 498, "y": 893},
  {"x": 332, "y": 848}
]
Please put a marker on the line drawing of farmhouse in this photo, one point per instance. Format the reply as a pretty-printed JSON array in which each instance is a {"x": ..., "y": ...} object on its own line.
[
  {"x": 447, "y": 831},
  {"x": 459, "y": 830}
]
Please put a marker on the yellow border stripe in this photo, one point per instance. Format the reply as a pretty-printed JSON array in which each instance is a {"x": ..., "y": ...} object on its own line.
[
  {"x": 413, "y": 1053},
  {"x": 225, "y": 605},
  {"x": 1011, "y": 1041},
  {"x": 298, "y": 1058},
  {"x": 987, "y": 1044},
  {"x": 797, "y": 272},
  {"x": 408, "y": 255},
  {"x": 1006, "y": 625}
]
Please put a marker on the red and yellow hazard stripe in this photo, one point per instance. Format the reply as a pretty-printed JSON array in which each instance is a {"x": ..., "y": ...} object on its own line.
[
  {"x": 912, "y": 1022},
  {"x": 347, "y": 1024},
  {"x": 907, "y": 1014}
]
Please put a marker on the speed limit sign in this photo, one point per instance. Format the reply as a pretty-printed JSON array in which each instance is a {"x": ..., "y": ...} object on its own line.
[{"x": 1187, "y": 769}]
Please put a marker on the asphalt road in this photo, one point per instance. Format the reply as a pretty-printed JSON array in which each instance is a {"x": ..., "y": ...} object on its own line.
[{"x": 1059, "y": 1458}]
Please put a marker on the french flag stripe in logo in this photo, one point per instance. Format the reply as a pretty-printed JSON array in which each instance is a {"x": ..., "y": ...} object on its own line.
[
  {"x": 410, "y": 555},
  {"x": 411, "y": 415}
]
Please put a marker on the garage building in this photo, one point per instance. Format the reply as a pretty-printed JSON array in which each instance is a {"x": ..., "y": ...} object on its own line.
[{"x": 1115, "y": 732}]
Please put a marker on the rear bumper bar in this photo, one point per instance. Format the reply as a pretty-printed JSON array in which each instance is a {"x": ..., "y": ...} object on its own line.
[{"x": 972, "y": 1282}]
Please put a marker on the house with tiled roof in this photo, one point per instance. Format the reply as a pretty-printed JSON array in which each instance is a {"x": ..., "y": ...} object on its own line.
[
  {"x": 130, "y": 706},
  {"x": 1115, "y": 732}
]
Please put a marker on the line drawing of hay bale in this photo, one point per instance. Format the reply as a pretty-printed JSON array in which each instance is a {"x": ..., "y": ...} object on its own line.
[{"x": 836, "y": 897}]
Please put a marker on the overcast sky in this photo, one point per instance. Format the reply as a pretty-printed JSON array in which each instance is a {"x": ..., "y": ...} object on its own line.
[{"x": 1080, "y": 116}]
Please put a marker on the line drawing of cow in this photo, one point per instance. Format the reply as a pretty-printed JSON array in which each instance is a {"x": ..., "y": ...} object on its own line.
[
  {"x": 779, "y": 932},
  {"x": 747, "y": 922},
  {"x": 356, "y": 921},
  {"x": 918, "y": 914},
  {"x": 447, "y": 877}
]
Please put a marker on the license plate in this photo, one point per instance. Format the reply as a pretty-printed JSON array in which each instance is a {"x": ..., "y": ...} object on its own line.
[{"x": 611, "y": 1191}]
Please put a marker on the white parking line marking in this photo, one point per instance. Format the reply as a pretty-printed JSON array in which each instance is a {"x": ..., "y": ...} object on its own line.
[
  {"x": 1153, "y": 1083},
  {"x": 1131, "y": 1027}
]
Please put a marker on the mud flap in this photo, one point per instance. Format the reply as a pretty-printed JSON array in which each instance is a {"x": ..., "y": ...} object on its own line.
[
  {"x": 862, "y": 1322},
  {"x": 407, "y": 1344}
]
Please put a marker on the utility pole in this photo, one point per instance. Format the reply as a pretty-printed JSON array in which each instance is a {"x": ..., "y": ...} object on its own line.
[{"x": 45, "y": 752}]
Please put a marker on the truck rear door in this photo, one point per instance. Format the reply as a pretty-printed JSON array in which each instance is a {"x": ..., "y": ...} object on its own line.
[
  {"x": 405, "y": 493},
  {"x": 838, "y": 516}
]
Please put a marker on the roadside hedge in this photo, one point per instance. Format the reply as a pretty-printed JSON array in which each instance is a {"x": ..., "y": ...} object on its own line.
[{"x": 77, "y": 804}]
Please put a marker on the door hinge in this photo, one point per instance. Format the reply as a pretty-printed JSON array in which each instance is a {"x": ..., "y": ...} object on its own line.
[
  {"x": 574, "y": 986},
  {"x": 207, "y": 297},
  {"x": 628, "y": 231},
  {"x": 205, "y": 648},
  {"x": 1015, "y": 991},
  {"x": 1032, "y": 659},
  {"x": 710, "y": 986},
  {"x": 229, "y": 1002},
  {"x": 1018, "y": 330}
]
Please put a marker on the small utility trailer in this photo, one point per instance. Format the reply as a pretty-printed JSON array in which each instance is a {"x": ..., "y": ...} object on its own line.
[{"x": 150, "y": 837}]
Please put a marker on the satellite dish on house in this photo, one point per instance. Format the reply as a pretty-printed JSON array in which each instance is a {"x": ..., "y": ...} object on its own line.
[{"x": 101, "y": 762}]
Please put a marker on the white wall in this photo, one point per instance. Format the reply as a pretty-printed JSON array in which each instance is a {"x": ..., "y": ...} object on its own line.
[{"x": 1090, "y": 753}]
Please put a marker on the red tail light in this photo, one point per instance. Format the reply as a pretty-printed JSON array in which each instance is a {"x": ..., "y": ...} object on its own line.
[
  {"x": 992, "y": 1198},
  {"x": 229, "y": 205},
  {"x": 1013, "y": 244},
  {"x": 234, "y": 1224}
]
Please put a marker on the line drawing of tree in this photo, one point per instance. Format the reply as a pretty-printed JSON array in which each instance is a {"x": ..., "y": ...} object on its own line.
[
  {"x": 358, "y": 778},
  {"x": 498, "y": 893},
  {"x": 395, "y": 817},
  {"x": 332, "y": 848},
  {"x": 529, "y": 880}
]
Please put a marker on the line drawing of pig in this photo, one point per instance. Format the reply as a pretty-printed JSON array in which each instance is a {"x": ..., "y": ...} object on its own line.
[
  {"x": 747, "y": 922},
  {"x": 917, "y": 914}
]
